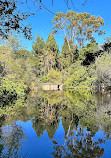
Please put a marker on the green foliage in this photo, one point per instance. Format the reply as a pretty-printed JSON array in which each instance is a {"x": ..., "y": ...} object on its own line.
[
  {"x": 78, "y": 27},
  {"x": 13, "y": 42},
  {"x": 9, "y": 87},
  {"x": 22, "y": 53},
  {"x": 65, "y": 58},
  {"x": 90, "y": 48},
  {"x": 39, "y": 52},
  {"x": 71, "y": 67},
  {"x": 39, "y": 45},
  {"x": 69, "y": 54},
  {"x": 80, "y": 77},
  {"x": 52, "y": 58},
  {"x": 11, "y": 19},
  {"x": 108, "y": 39},
  {"x": 53, "y": 77},
  {"x": 103, "y": 68},
  {"x": 51, "y": 43},
  {"x": 90, "y": 52}
]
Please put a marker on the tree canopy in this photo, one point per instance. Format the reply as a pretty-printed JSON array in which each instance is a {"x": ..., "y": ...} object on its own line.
[
  {"x": 79, "y": 28},
  {"x": 12, "y": 19}
]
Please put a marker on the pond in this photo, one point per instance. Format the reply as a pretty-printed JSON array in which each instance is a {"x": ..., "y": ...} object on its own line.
[{"x": 57, "y": 124}]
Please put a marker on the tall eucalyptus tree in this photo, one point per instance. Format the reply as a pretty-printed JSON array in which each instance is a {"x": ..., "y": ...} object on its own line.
[{"x": 79, "y": 28}]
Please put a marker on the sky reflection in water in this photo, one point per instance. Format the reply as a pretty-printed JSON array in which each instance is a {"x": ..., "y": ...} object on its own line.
[{"x": 69, "y": 124}]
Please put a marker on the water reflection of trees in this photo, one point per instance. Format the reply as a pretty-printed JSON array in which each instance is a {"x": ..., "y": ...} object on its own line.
[
  {"x": 79, "y": 115},
  {"x": 79, "y": 144},
  {"x": 12, "y": 138},
  {"x": 47, "y": 118},
  {"x": 82, "y": 115}
]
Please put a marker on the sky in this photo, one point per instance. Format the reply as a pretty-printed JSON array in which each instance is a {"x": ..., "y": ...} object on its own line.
[{"x": 41, "y": 21}]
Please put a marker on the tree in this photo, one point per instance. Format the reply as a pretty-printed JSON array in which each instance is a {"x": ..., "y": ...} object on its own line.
[
  {"x": 68, "y": 56},
  {"x": 11, "y": 19},
  {"x": 13, "y": 42},
  {"x": 52, "y": 55},
  {"x": 78, "y": 27},
  {"x": 39, "y": 52},
  {"x": 13, "y": 141},
  {"x": 90, "y": 52},
  {"x": 65, "y": 59},
  {"x": 107, "y": 45},
  {"x": 103, "y": 68},
  {"x": 38, "y": 45}
]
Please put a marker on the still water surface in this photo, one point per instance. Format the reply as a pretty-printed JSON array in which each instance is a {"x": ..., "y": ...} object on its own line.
[{"x": 58, "y": 124}]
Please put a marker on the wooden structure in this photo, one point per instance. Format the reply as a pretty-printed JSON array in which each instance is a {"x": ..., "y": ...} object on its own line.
[{"x": 52, "y": 87}]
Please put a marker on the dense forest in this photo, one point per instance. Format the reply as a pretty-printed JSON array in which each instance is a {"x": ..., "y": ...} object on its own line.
[{"x": 81, "y": 64}]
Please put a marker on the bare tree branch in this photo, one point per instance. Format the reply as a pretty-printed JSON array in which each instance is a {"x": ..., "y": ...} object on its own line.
[
  {"x": 84, "y": 2},
  {"x": 73, "y": 5},
  {"x": 40, "y": 3}
]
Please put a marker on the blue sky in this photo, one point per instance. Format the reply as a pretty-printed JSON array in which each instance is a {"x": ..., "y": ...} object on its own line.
[{"x": 41, "y": 22}]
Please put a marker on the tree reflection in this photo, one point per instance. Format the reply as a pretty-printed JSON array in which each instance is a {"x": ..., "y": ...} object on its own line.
[
  {"x": 82, "y": 116},
  {"x": 47, "y": 119},
  {"x": 12, "y": 140},
  {"x": 79, "y": 143},
  {"x": 79, "y": 116}
]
